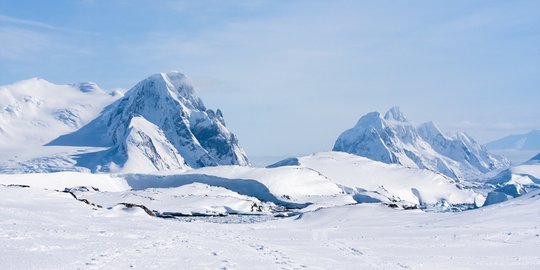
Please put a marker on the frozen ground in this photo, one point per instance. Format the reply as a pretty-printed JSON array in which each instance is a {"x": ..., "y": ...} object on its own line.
[{"x": 51, "y": 230}]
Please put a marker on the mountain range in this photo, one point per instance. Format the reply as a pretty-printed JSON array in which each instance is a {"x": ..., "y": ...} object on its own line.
[{"x": 161, "y": 124}]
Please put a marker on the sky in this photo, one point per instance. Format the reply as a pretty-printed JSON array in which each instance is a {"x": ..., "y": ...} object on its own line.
[{"x": 290, "y": 76}]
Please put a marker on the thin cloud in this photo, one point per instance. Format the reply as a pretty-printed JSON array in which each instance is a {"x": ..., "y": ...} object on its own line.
[
  {"x": 41, "y": 25},
  {"x": 18, "y": 43}
]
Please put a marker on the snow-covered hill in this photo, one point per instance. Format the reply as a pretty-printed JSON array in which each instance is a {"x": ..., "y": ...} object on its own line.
[
  {"x": 369, "y": 180},
  {"x": 393, "y": 139},
  {"x": 35, "y": 111}
]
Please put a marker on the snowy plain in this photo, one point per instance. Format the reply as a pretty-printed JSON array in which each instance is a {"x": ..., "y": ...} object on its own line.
[{"x": 46, "y": 229}]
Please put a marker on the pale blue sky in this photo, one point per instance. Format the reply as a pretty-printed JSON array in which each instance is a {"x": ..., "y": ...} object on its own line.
[{"x": 290, "y": 76}]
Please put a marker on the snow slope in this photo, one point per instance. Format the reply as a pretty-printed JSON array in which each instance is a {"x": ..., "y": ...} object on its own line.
[
  {"x": 35, "y": 111},
  {"x": 51, "y": 230},
  {"x": 393, "y": 139},
  {"x": 515, "y": 181},
  {"x": 527, "y": 173},
  {"x": 62, "y": 180},
  {"x": 394, "y": 182}
]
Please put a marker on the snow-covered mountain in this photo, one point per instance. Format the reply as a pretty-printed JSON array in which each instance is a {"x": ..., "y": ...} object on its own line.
[
  {"x": 35, "y": 111},
  {"x": 527, "y": 141},
  {"x": 393, "y": 139},
  {"x": 518, "y": 148},
  {"x": 159, "y": 124}
]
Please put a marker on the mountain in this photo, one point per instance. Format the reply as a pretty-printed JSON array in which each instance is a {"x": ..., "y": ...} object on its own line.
[
  {"x": 527, "y": 141},
  {"x": 517, "y": 148},
  {"x": 35, "y": 111},
  {"x": 159, "y": 124},
  {"x": 393, "y": 139}
]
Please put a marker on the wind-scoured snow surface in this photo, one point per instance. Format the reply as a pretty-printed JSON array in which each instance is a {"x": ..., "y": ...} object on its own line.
[
  {"x": 47, "y": 229},
  {"x": 393, "y": 139}
]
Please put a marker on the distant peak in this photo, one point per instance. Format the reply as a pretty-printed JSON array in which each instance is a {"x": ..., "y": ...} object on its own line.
[{"x": 395, "y": 114}]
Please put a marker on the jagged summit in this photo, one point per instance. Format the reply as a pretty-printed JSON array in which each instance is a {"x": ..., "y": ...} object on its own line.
[
  {"x": 170, "y": 106},
  {"x": 393, "y": 139},
  {"x": 173, "y": 84},
  {"x": 395, "y": 114}
]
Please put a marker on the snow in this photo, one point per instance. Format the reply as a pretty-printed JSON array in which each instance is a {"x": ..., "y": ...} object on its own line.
[
  {"x": 167, "y": 104},
  {"x": 393, "y": 139},
  {"x": 146, "y": 149},
  {"x": 61, "y": 180},
  {"x": 155, "y": 180},
  {"x": 412, "y": 185},
  {"x": 34, "y": 112},
  {"x": 527, "y": 173},
  {"x": 514, "y": 181},
  {"x": 52, "y": 230},
  {"x": 192, "y": 199},
  {"x": 159, "y": 124}
]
